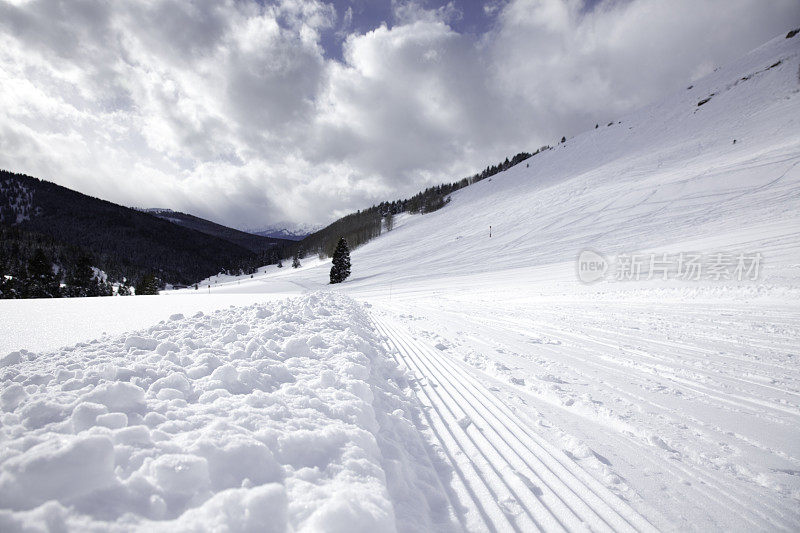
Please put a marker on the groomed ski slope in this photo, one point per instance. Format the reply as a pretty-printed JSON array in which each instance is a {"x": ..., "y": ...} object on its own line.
[{"x": 498, "y": 391}]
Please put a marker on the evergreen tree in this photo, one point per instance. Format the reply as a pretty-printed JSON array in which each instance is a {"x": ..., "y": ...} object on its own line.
[
  {"x": 7, "y": 288},
  {"x": 147, "y": 285},
  {"x": 100, "y": 287},
  {"x": 125, "y": 289},
  {"x": 389, "y": 221},
  {"x": 341, "y": 262},
  {"x": 80, "y": 278},
  {"x": 41, "y": 281},
  {"x": 295, "y": 262},
  {"x": 280, "y": 264}
]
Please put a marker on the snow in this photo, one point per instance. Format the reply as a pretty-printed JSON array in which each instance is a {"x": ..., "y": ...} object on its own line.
[
  {"x": 285, "y": 230},
  {"x": 37, "y": 325},
  {"x": 458, "y": 381},
  {"x": 285, "y": 412}
]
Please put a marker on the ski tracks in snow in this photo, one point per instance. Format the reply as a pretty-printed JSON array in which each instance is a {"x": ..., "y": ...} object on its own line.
[{"x": 505, "y": 477}]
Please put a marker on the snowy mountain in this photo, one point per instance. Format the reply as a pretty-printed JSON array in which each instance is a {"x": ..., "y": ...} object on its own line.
[
  {"x": 155, "y": 210},
  {"x": 618, "y": 353},
  {"x": 286, "y": 230}
]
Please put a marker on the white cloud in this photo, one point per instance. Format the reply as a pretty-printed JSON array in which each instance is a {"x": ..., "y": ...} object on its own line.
[
  {"x": 346, "y": 24},
  {"x": 569, "y": 65},
  {"x": 230, "y": 109},
  {"x": 410, "y": 11}
]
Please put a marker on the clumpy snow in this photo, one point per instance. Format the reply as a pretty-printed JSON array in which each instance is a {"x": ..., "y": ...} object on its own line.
[{"x": 256, "y": 418}]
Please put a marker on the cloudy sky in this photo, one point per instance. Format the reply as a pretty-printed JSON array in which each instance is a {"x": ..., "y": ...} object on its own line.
[{"x": 250, "y": 112}]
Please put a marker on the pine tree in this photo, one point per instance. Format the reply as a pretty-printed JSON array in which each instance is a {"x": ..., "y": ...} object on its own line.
[
  {"x": 147, "y": 285},
  {"x": 41, "y": 281},
  {"x": 8, "y": 281},
  {"x": 100, "y": 287},
  {"x": 340, "y": 270},
  {"x": 80, "y": 278},
  {"x": 295, "y": 262},
  {"x": 6, "y": 285},
  {"x": 125, "y": 290}
]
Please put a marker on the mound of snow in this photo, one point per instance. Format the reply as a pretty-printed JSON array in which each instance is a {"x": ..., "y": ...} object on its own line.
[{"x": 249, "y": 419}]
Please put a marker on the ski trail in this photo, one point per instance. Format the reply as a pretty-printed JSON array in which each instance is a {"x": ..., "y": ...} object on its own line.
[
  {"x": 595, "y": 359},
  {"x": 529, "y": 483}
]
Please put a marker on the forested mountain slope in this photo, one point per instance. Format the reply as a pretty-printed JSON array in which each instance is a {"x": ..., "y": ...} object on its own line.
[{"x": 122, "y": 241}]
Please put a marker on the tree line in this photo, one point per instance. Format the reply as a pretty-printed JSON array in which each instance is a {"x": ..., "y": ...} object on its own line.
[
  {"x": 364, "y": 225},
  {"x": 37, "y": 276}
]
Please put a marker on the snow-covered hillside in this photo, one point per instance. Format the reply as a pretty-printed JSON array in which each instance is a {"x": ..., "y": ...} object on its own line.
[
  {"x": 668, "y": 178},
  {"x": 522, "y": 397}
]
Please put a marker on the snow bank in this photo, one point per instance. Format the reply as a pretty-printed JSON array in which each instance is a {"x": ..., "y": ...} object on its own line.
[
  {"x": 262, "y": 418},
  {"x": 46, "y": 324}
]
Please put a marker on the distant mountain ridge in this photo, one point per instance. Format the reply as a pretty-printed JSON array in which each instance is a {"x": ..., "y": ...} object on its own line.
[
  {"x": 254, "y": 242},
  {"x": 286, "y": 230}
]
